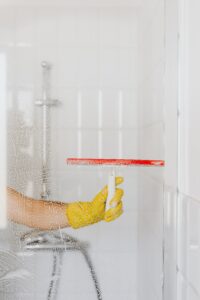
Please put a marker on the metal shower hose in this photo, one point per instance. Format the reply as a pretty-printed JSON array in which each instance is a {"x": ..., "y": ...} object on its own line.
[{"x": 41, "y": 240}]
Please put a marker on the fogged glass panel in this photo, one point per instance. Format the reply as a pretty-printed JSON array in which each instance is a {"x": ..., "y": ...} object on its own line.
[{"x": 83, "y": 81}]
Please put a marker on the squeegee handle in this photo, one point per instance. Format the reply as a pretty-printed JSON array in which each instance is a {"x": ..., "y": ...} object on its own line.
[{"x": 111, "y": 189}]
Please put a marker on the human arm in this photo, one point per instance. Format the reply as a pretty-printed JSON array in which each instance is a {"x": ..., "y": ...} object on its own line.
[
  {"x": 41, "y": 214},
  {"x": 51, "y": 215}
]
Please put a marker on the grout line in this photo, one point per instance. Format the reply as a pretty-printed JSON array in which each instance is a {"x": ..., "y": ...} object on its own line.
[{"x": 151, "y": 125}]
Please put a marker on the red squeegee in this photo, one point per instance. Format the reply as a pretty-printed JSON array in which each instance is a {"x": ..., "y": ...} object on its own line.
[{"x": 115, "y": 162}]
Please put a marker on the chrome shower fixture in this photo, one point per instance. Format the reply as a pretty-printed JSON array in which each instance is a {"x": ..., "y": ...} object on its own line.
[
  {"x": 44, "y": 240},
  {"x": 45, "y": 64},
  {"x": 45, "y": 102},
  {"x": 59, "y": 244}
]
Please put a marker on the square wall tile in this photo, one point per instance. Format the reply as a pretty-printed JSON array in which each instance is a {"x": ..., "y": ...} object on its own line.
[
  {"x": 89, "y": 143},
  {"x": 64, "y": 143},
  {"x": 130, "y": 187},
  {"x": 129, "y": 109},
  {"x": 68, "y": 66},
  {"x": 183, "y": 231},
  {"x": 73, "y": 183},
  {"x": 128, "y": 31},
  {"x": 7, "y": 26},
  {"x": 151, "y": 194},
  {"x": 26, "y": 181},
  {"x": 151, "y": 103},
  {"x": 46, "y": 26},
  {"x": 191, "y": 143},
  {"x": 77, "y": 271},
  {"x": 115, "y": 265},
  {"x": 194, "y": 244},
  {"x": 66, "y": 114},
  {"x": 170, "y": 222},
  {"x": 110, "y": 110},
  {"x": 158, "y": 32},
  {"x": 110, "y": 143},
  {"x": 78, "y": 27},
  {"x": 123, "y": 240},
  {"x": 194, "y": 223},
  {"x": 25, "y": 26},
  {"x": 109, "y": 67},
  {"x": 90, "y": 108},
  {"x": 25, "y": 66},
  {"x": 182, "y": 287},
  {"x": 128, "y": 68},
  {"x": 20, "y": 111},
  {"x": 109, "y": 27},
  {"x": 67, "y": 28},
  {"x": 151, "y": 142},
  {"x": 129, "y": 144},
  {"x": 87, "y": 23},
  {"x": 25, "y": 99},
  {"x": 11, "y": 65},
  {"x": 170, "y": 248},
  {"x": 88, "y": 67}
]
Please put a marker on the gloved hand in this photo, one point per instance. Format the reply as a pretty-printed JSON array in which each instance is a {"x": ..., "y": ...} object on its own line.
[{"x": 81, "y": 214}]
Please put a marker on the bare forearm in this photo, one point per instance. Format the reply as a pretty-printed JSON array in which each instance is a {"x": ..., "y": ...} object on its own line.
[{"x": 45, "y": 215}]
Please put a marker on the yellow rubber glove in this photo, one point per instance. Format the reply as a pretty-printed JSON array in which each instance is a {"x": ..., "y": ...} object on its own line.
[{"x": 81, "y": 214}]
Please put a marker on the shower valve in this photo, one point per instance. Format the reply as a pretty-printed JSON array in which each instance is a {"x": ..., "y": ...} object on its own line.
[{"x": 48, "y": 102}]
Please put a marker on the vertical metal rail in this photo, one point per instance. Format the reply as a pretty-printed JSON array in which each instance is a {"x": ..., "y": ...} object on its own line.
[
  {"x": 45, "y": 102},
  {"x": 45, "y": 117}
]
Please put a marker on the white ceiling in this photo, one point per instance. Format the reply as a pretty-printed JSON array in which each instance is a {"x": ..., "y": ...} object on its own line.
[{"x": 72, "y": 2}]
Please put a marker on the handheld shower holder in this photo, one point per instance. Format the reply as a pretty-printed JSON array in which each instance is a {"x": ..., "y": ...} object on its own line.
[{"x": 48, "y": 102}]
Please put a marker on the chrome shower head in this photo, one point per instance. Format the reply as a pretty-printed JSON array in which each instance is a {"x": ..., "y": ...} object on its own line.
[{"x": 45, "y": 64}]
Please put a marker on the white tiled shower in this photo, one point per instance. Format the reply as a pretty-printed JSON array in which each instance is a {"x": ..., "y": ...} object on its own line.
[
  {"x": 94, "y": 56},
  {"x": 115, "y": 71}
]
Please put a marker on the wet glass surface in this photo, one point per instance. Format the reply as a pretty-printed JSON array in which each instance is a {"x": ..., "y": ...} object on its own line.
[{"x": 101, "y": 76}]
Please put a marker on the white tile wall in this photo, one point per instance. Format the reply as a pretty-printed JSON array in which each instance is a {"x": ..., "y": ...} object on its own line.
[
  {"x": 109, "y": 27},
  {"x": 25, "y": 26},
  {"x": 171, "y": 145},
  {"x": 151, "y": 146},
  {"x": 188, "y": 243},
  {"x": 188, "y": 260},
  {"x": 170, "y": 257},
  {"x": 7, "y": 25}
]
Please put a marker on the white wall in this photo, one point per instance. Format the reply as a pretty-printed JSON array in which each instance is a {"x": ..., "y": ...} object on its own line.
[
  {"x": 189, "y": 196},
  {"x": 182, "y": 228},
  {"x": 94, "y": 57},
  {"x": 171, "y": 149},
  {"x": 151, "y": 146}
]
